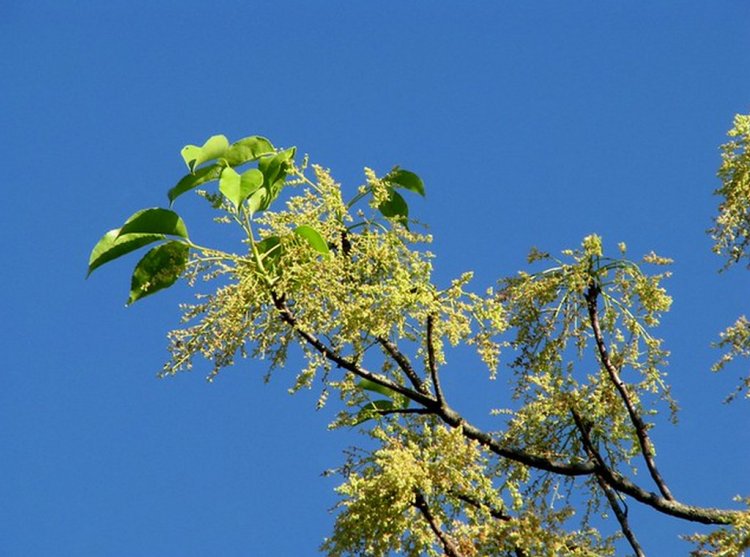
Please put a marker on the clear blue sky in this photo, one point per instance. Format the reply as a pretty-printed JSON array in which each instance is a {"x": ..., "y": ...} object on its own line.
[{"x": 532, "y": 123}]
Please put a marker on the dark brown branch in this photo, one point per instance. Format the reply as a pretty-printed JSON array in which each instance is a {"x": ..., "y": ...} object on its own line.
[
  {"x": 454, "y": 419},
  {"x": 614, "y": 503},
  {"x": 328, "y": 353},
  {"x": 448, "y": 546},
  {"x": 448, "y": 415},
  {"x": 671, "y": 507},
  {"x": 389, "y": 346},
  {"x": 615, "y": 480},
  {"x": 621, "y": 484},
  {"x": 622, "y": 517},
  {"x": 404, "y": 365},
  {"x": 638, "y": 423},
  {"x": 431, "y": 361}
]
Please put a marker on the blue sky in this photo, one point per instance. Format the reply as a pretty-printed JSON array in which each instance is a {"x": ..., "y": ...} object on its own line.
[{"x": 531, "y": 123}]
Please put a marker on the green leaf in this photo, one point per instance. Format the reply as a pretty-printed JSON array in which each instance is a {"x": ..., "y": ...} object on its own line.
[
  {"x": 267, "y": 246},
  {"x": 238, "y": 187},
  {"x": 395, "y": 207},
  {"x": 270, "y": 251},
  {"x": 214, "y": 147},
  {"x": 112, "y": 245},
  {"x": 274, "y": 171},
  {"x": 368, "y": 385},
  {"x": 248, "y": 149},
  {"x": 399, "y": 400},
  {"x": 313, "y": 238},
  {"x": 369, "y": 410},
  {"x": 274, "y": 168},
  {"x": 160, "y": 268},
  {"x": 155, "y": 221},
  {"x": 407, "y": 180},
  {"x": 257, "y": 201},
  {"x": 250, "y": 181},
  {"x": 190, "y": 181}
]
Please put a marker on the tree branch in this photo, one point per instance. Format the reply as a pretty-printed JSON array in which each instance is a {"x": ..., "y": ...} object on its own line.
[
  {"x": 328, "y": 353},
  {"x": 640, "y": 426},
  {"x": 620, "y": 514},
  {"x": 615, "y": 480},
  {"x": 671, "y": 507},
  {"x": 448, "y": 546},
  {"x": 622, "y": 517},
  {"x": 404, "y": 365},
  {"x": 431, "y": 361},
  {"x": 447, "y": 414}
]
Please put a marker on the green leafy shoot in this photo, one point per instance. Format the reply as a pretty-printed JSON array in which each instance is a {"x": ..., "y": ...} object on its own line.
[
  {"x": 275, "y": 168},
  {"x": 238, "y": 187}
]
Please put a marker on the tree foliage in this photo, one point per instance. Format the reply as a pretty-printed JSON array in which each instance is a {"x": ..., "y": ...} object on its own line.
[{"x": 349, "y": 283}]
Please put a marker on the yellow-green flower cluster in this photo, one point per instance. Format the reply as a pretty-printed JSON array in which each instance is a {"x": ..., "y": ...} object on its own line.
[
  {"x": 731, "y": 231},
  {"x": 735, "y": 341}
]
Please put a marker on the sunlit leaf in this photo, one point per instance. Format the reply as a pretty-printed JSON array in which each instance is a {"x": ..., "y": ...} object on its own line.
[
  {"x": 214, "y": 147},
  {"x": 313, "y": 238},
  {"x": 158, "y": 269},
  {"x": 110, "y": 246},
  {"x": 238, "y": 187},
  {"x": 250, "y": 181},
  {"x": 190, "y": 181},
  {"x": 407, "y": 180},
  {"x": 248, "y": 149},
  {"x": 155, "y": 221}
]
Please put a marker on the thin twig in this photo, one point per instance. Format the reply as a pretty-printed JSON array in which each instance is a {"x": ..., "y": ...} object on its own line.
[
  {"x": 330, "y": 354},
  {"x": 448, "y": 546},
  {"x": 403, "y": 411},
  {"x": 622, "y": 517},
  {"x": 403, "y": 364},
  {"x": 640, "y": 426},
  {"x": 431, "y": 361},
  {"x": 704, "y": 515},
  {"x": 494, "y": 511},
  {"x": 447, "y": 414},
  {"x": 612, "y": 497}
]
